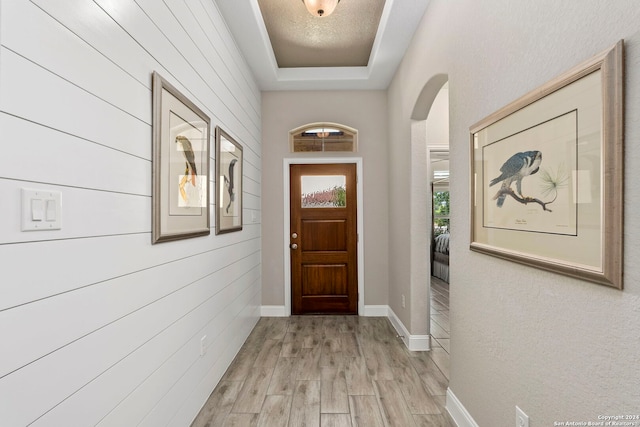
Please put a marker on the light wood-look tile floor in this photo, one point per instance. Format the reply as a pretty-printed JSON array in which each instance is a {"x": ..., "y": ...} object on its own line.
[
  {"x": 333, "y": 371},
  {"x": 440, "y": 313}
]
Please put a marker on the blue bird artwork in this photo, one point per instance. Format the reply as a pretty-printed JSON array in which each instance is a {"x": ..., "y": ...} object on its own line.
[
  {"x": 517, "y": 167},
  {"x": 230, "y": 185}
]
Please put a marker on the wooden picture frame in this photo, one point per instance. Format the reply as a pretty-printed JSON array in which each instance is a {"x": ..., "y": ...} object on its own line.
[
  {"x": 181, "y": 141},
  {"x": 547, "y": 175},
  {"x": 229, "y": 168}
]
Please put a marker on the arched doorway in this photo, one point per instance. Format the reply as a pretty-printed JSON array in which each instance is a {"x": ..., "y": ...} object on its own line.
[{"x": 430, "y": 144}]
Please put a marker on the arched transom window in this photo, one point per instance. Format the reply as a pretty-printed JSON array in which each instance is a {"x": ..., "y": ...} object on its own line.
[{"x": 323, "y": 137}]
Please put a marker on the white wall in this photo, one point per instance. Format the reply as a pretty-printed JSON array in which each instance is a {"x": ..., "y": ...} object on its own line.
[
  {"x": 97, "y": 326},
  {"x": 363, "y": 110},
  {"x": 560, "y": 348}
]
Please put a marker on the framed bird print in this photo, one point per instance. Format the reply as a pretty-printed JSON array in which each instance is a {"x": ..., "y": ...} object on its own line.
[
  {"x": 547, "y": 175},
  {"x": 181, "y": 141},
  {"x": 229, "y": 183}
]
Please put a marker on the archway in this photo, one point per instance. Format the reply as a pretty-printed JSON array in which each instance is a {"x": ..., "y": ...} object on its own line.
[{"x": 429, "y": 130}]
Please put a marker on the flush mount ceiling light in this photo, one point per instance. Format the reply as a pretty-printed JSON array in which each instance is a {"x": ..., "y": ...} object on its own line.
[{"x": 320, "y": 8}]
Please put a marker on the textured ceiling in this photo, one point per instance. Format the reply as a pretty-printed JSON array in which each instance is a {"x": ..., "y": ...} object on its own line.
[
  {"x": 359, "y": 46},
  {"x": 343, "y": 39}
]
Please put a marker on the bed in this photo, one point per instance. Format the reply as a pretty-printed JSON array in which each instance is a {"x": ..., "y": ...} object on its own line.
[{"x": 441, "y": 257}]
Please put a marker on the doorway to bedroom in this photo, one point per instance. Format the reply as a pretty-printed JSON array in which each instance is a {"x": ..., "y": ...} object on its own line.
[
  {"x": 430, "y": 143},
  {"x": 440, "y": 214},
  {"x": 441, "y": 228}
]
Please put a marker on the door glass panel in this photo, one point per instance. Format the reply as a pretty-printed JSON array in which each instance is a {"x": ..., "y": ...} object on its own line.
[{"x": 325, "y": 191}]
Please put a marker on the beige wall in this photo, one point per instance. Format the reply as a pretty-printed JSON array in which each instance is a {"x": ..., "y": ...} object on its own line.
[
  {"x": 363, "y": 110},
  {"x": 438, "y": 119},
  {"x": 560, "y": 348}
]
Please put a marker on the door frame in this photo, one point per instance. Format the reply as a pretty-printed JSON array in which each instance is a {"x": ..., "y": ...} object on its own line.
[{"x": 287, "y": 223}]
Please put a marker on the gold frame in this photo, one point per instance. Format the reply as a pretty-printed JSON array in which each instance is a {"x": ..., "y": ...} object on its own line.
[
  {"x": 543, "y": 250},
  {"x": 180, "y": 194}
]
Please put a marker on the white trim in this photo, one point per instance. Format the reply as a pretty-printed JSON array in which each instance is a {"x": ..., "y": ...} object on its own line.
[
  {"x": 273, "y": 311},
  {"x": 287, "y": 219},
  {"x": 458, "y": 412},
  {"x": 376, "y": 311},
  {"x": 419, "y": 342},
  {"x": 412, "y": 342}
]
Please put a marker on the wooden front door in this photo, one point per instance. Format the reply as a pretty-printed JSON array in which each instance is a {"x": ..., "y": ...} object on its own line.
[{"x": 323, "y": 239}]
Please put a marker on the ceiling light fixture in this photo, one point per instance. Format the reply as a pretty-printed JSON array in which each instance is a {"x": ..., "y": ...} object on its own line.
[{"x": 321, "y": 8}]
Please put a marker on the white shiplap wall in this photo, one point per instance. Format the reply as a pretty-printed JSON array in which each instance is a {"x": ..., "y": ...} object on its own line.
[{"x": 98, "y": 326}]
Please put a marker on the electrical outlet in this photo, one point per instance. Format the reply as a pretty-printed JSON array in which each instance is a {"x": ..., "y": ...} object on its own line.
[
  {"x": 522, "y": 419},
  {"x": 203, "y": 345},
  {"x": 404, "y": 303}
]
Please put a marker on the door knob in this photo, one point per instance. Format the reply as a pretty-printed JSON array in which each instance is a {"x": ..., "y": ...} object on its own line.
[
  {"x": 294, "y": 236},
  {"x": 293, "y": 246}
]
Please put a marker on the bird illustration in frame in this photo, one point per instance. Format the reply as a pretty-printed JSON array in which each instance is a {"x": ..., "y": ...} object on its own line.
[
  {"x": 191, "y": 172},
  {"x": 515, "y": 169},
  {"x": 228, "y": 181}
]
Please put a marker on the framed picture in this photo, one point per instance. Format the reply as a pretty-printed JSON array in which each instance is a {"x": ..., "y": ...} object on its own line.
[
  {"x": 547, "y": 175},
  {"x": 229, "y": 183},
  {"x": 181, "y": 140}
]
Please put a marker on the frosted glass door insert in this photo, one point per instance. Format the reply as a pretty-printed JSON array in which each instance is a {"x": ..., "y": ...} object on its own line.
[{"x": 324, "y": 191}]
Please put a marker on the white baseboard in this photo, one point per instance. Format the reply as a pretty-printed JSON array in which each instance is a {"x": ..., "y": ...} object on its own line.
[
  {"x": 419, "y": 343},
  {"x": 376, "y": 311},
  {"x": 413, "y": 342},
  {"x": 272, "y": 311},
  {"x": 458, "y": 412}
]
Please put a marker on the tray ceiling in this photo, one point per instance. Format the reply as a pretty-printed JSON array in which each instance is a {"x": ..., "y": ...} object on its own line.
[
  {"x": 343, "y": 39},
  {"x": 359, "y": 46}
]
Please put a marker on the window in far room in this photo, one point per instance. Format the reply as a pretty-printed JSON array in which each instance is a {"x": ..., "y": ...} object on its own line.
[{"x": 440, "y": 191}]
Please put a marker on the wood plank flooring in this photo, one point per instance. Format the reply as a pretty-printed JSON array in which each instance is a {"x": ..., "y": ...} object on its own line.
[
  {"x": 334, "y": 371},
  {"x": 440, "y": 313}
]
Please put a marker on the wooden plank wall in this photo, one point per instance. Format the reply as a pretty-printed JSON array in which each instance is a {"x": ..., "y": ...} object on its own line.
[{"x": 98, "y": 326}]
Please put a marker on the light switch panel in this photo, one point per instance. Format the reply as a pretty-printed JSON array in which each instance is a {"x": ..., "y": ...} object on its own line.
[
  {"x": 52, "y": 210},
  {"x": 36, "y": 210},
  {"x": 41, "y": 210}
]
